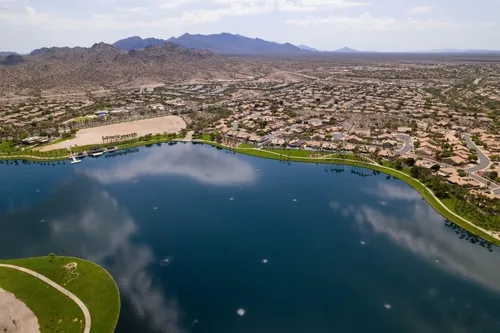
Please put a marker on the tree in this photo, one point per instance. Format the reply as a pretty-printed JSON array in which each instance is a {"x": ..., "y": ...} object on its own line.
[
  {"x": 493, "y": 175},
  {"x": 436, "y": 167},
  {"x": 441, "y": 190},
  {"x": 462, "y": 173},
  {"x": 473, "y": 157},
  {"x": 52, "y": 256},
  {"x": 416, "y": 171},
  {"x": 410, "y": 161}
]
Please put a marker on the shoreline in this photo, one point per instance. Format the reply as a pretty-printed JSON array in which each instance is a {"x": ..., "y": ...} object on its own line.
[{"x": 426, "y": 193}]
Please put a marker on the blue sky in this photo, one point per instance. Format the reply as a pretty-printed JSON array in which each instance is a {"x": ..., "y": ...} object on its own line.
[{"x": 382, "y": 25}]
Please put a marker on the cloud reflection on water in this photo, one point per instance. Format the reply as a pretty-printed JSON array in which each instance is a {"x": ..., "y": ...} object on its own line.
[
  {"x": 104, "y": 231},
  {"x": 422, "y": 231},
  {"x": 83, "y": 218},
  {"x": 203, "y": 164}
]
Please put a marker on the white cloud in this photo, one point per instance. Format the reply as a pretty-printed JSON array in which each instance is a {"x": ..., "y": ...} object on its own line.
[
  {"x": 420, "y": 9},
  {"x": 388, "y": 191},
  {"x": 423, "y": 233},
  {"x": 102, "y": 229},
  {"x": 207, "y": 166},
  {"x": 368, "y": 22},
  {"x": 250, "y": 7},
  {"x": 133, "y": 10},
  {"x": 170, "y": 4}
]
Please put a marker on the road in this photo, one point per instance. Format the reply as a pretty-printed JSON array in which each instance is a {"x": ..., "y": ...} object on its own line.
[
  {"x": 408, "y": 144},
  {"x": 484, "y": 161},
  {"x": 66, "y": 292},
  {"x": 495, "y": 188}
]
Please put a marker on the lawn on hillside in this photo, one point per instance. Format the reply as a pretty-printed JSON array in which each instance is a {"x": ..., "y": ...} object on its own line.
[
  {"x": 55, "y": 311},
  {"x": 94, "y": 286}
]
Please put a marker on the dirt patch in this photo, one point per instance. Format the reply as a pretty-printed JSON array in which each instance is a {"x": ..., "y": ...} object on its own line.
[
  {"x": 72, "y": 274},
  {"x": 15, "y": 316},
  {"x": 89, "y": 136}
]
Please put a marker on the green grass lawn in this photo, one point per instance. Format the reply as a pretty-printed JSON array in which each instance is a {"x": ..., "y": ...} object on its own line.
[
  {"x": 206, "y": 137},
  {"x": 245, "y": 145},
  {"x": 292, "y": 152},
  {"x": 54, "y": 310},
  {"x": 94, "y": 286}
]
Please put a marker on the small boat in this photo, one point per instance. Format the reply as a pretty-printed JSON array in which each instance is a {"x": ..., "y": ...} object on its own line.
[
  {"x": 96, "y": 152},
  {"x": 75, "y": 161},
  {"x": 111, "y": 149},
  {"x": 81, "y": 155}
]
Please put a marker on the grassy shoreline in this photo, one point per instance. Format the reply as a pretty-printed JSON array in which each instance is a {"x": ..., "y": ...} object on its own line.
[
  {"x": 303, "y": 156},
  {"x": 93, "y": 285}
]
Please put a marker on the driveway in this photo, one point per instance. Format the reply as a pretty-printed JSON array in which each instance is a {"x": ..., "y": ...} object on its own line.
[
  {"x": 484, "y": 161},
  {"x": 408, "y": 146}
]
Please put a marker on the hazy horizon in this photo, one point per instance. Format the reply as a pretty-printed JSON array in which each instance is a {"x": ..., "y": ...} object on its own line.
[{"x": 376, "y": 25}]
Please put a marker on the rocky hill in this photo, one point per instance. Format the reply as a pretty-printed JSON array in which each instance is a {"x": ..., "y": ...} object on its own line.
[
  {"x": 346, "y": 50},
  {"x": 105, "y": 66},
  {"x": 11, "y": 59},
  {"x": 136, "y": 43}
]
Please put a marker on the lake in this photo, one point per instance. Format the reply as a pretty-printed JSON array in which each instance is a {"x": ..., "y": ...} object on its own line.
[{"x": 204, "y": 240}]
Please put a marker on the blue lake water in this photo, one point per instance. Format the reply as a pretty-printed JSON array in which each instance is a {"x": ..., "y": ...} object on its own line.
[{"x": 192, "y": 234}]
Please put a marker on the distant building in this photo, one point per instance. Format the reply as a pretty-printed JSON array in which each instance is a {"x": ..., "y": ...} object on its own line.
[
  {"x": 362, "y": 132},
  {"x": 101, "y": 113},
  {"x": 404, "y": 129}
]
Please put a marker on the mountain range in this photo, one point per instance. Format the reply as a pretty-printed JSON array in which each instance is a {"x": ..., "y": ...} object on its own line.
[
  {"x": 223, "y": 43},
  {"x": 475, "y": 51},
  {"x": 103, "y": 65}
]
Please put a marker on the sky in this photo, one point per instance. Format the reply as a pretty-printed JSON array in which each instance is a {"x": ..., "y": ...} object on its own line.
[{"x": 370, "y": 25}]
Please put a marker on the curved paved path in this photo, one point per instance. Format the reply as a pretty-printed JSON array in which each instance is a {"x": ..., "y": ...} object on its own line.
[
  {"x": 66, "y": 292},
  {"x": 408, "y": 145},
  {"x": 484, "y": 161}
]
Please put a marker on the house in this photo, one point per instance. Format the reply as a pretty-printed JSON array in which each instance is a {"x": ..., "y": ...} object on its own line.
[
  {"x": 425, "y": 152},
  {"x": 386, "y": 153},
  {"x": 277, "y": 142},
  {"x": 424, "y": 164},
  {"x": 389, "y": 143},
  {"x": 455, "y": 160},
  {"x": 315, "y": 122},
  {"x": 404, "y": 129},
  {"x": 254, "y": 138},
  {"x": 465, "y": 182},
  {"x": 295, "y": 143},
  {"x": 354, "y": 139},
  {"x": 362, "y": 132}
]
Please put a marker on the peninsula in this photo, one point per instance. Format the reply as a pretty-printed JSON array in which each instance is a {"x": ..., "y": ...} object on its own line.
[{"x": 57, "y": 294}]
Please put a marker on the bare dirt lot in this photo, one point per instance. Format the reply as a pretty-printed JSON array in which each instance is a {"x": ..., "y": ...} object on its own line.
[
  {"x": 88, "y": 136},
  {"x": 15, "y": 316}
]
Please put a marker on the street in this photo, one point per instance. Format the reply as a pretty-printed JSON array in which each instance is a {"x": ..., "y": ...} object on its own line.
[{"x": 484, "y": 161}]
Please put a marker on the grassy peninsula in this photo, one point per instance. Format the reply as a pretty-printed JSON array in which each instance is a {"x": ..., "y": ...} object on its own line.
[{"x": 91, "y": 283}]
